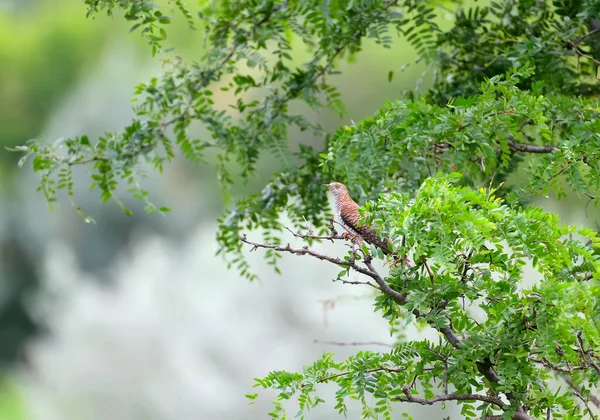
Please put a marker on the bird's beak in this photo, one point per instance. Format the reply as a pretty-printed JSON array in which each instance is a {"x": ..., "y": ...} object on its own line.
[{"x": 326, "y": 185}]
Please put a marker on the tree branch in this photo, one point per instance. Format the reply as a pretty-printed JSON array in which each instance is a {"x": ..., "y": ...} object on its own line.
[
  {"x": 577, "y": 390},
  {"x": 356, "y": 282},
  {"x": 557, "y": 368},
  {"x": 582, "y": 37},
  {"x": 408, "y": 397},
  {"x": 584, "y": 401},
  {"x": 354, "y": 343},
  {"x": 451, "y": 337},
  {"x": 379, "y": 369},
  {"x": 369, "y": 271},
  {"x": 586, "y": 353},
  {"x": 485, "y": 367},
  {"x": 530, "y": 148},
  {"x": 583, "y": 54}
]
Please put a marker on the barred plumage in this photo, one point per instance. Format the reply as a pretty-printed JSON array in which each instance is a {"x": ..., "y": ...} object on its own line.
[{"x": 348, "y": 215}]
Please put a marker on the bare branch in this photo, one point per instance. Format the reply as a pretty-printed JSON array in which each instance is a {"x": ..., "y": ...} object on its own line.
[
  {"x": 316, "y": 237},
  {"x": 595, "y": 365},
  {"x": 369, "y": 271},
  {"x": 428, "y": 270},
  {"x": 356, "y": 282},
  {"x": 444, "y": 359},
  {"x": 355, "y": 343},
  {"x": 486, "y": 370},
  {"x": 451, "y": 337},
  {"x": 519, "y": 415}
]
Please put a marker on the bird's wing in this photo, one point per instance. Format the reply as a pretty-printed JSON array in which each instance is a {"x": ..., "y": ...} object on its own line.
[
  {"x": 370, "y": 236},
  {"x": 351, "y": 217}
]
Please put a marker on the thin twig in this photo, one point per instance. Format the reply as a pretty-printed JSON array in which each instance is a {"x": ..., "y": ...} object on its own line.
[
  {"x": 379, "y": 369},
  {"x": 316, "y": 237},
  {"x": 408, "y": 397},
  {"x": 548, "y": 364},
  {"x": 444, "y": 359},
  {"x": 369, "y": 271},
  {"x": 577, "y": 389},
  {"x": 428, "y": 270},
  {"x": 355, "y": 343},
  {"x": 584, "y": 401},
  {"x": 356, "y": 282},
  {"x": 582, "y": 37},
  {"x": 583, "y": 54}
]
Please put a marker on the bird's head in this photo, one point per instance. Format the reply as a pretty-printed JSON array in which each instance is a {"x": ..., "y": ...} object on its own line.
[{"x": 337, "y": 189}]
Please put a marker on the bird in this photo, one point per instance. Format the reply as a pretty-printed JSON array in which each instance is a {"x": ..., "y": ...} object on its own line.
[{"x": 347, "y": 213}]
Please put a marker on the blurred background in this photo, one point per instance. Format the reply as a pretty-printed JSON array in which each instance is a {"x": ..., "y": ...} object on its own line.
[{"x": 135, "y": 317}]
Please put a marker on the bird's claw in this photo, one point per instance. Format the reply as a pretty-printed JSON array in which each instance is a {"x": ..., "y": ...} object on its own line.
[
  {"x": 355, "y": 239},
  {"x": 347, "y": 236}
]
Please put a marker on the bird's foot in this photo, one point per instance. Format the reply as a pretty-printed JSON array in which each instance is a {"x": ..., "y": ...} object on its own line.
[{"x": 350, "y": 237}]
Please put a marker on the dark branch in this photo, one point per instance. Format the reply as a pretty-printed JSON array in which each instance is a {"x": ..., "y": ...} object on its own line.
[
  {"x": 582, "y": 37},
  {"x": 385, "y": 288},
  {"x": 530, "y": 148},
  {"x": 519, "y": 415},
  {"x": 451, "y": 337}
]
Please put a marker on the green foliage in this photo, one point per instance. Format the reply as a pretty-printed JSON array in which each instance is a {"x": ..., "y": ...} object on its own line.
[
  {"x": 470, "y": 250},
  {"x": 489, "y": 40},
  {"x": 148, "y": 17},
  {"x": 408, "y": 141},
  {"x": 514, "y": 89},
  {"x": 32, "y": 42},
  {"x": 12, "y": 406}
]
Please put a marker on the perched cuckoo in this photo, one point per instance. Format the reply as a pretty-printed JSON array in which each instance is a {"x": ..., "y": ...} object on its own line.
[{"x": 346, "y": 210}]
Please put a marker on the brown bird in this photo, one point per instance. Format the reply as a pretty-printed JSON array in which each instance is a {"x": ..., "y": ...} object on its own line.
[{"x": 346, "y": 210}]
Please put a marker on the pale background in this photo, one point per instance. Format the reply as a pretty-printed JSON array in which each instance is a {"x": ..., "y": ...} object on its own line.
[{"x": 136, "y": 317}]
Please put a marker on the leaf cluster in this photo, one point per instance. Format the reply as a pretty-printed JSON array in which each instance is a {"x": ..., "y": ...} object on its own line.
[
  {"x": 470, "y": 251},
  {"x": 514, "y": 87}
]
